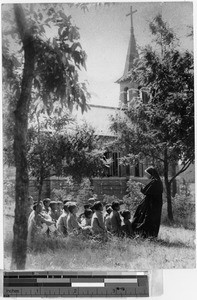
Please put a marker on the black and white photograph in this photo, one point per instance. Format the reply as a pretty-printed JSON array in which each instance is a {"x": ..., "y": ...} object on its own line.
[{"x": 98, "y": 136}]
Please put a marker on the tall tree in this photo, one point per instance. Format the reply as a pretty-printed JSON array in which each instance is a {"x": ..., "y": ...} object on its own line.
[
  {"x": 162, "y": 127},
  {"x": 43, "y": 73}
]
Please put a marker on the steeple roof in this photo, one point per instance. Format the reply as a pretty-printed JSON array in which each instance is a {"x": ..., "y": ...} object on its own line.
[{"x": 131, "y": 53}]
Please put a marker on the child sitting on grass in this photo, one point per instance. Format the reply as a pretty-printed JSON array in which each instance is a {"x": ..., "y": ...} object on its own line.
[
  {"x": 97, "y": 224},
  {"x": 86, "y": 221},
  {"x": 108, "y": 209},
  {"x": 62, "y": 221},
  {"x": 115, "y": 219},
  {"x": 127, "y": 229},
  {"x": 73, "y": 227},
  {"x": 38, "y": 223}
]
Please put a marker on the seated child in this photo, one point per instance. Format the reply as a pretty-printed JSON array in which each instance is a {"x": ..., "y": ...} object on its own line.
[
  {"x": 86, "y": 221},
  {"x": 97, "y": 223},
  {"x": 46, "y": 203},
  {"x": 38, "y": 223},
  {"x": 115, "y": 219},
  {"x": 62, "y": 221},
  {"x": 107, "y": 217},
  {"x": 54, "y": 210},
  {"x": 73, "y": 227},
  {"x": 82, "y": 216},
  {"x": 127, "y": 227}
]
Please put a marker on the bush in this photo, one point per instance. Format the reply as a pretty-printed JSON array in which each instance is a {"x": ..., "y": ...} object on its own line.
[
  {"x": 134, "y": 196},
  {"x": 183, "y": 208},
  {"x": 108, "y": 199},
  {"x": 66, "y": 192},
  {"x": 84, "y": 192},
  {"x": 79, "y": 193}
]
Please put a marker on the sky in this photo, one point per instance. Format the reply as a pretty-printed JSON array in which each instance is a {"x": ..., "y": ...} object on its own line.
[{"x": 105, "y": 33}]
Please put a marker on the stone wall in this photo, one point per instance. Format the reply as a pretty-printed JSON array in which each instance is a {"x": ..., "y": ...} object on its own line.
[{"x": 112, "y": 186}]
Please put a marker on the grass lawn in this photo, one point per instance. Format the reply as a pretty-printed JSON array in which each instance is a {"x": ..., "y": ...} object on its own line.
[{"x": 175, "y": 248}]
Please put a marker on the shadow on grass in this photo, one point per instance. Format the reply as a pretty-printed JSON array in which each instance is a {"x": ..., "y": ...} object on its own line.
[
  {"x": 179, "y": 224},
  {"x": 175, "y": 244}
]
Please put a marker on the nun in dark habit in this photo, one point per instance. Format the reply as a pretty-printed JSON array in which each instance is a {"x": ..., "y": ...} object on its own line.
[{"x": 147, "y": 218}]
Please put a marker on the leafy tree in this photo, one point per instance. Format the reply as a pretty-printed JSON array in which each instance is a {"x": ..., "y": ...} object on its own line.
[
  {"x": 162, "y": 128},
  {"x": 85, "y": 155},
  {"x": 42, "y": 73},
  {"x": 74, "y": 151}
]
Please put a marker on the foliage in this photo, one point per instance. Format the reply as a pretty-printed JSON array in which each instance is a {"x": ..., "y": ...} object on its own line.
[
  {"x": 58, "y": 58},
  {"x": 183, "y": 207},
  {"x": 134, "y": 196},
  {"x": 184, "y": 187},
  {"x": 66, "y": 192},
  {"x": 108, "y": 199},
  {"x": 84, "y": 157},
  {"x": 184, "y": 211},
  {"x": 85, "y": 192},
  {"x": 65, "y": 152}
]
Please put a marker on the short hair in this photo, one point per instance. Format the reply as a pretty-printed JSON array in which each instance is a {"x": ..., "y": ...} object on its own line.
[
  {"x": 71, "y": 207},
  {"x": 65, "y": 201},
  {"x": 125, "y": 213},
  {"x": 65, "y": 207},
  {"x": 87, "y": 212},
  {"x": 46, "y": 200},
  {"x": 109, "y": 209},
  {"x": 52, "y": 203},
  {"x": 107, "y": 205},
  {"x": 86, "y": 206},
  {"x": 115, "y": 204},
  {"x": 97, "y": 205},
  {"x": 35, "y": 205}
]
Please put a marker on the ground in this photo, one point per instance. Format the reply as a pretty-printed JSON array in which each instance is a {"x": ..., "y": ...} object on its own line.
[{"x": 175, "y": 248}]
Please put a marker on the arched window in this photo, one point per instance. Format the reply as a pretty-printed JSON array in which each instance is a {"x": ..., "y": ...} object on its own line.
[{"x": 126, "y": 95}]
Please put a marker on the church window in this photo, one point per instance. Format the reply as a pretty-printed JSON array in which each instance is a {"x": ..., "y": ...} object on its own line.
[{"x": 126, "y": 95}]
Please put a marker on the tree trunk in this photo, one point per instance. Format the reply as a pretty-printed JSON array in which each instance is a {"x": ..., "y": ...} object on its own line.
[
  {"x": 174, "y": 182},
  {"x": 168, "y": 186},
  {"x": 19, "y": 246},
  {"x": 40, "y": 188}
]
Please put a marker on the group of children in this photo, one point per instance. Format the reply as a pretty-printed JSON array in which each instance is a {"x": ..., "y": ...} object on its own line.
[{"x": 61, "y": 218}]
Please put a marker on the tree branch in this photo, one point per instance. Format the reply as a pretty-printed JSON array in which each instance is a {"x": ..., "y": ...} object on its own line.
[
  {"x": 184, "y": 168},
  {"x": 20, "y": 20}
]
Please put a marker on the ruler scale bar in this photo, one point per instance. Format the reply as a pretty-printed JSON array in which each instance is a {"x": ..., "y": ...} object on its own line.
[{"x": 75, "y": 284}]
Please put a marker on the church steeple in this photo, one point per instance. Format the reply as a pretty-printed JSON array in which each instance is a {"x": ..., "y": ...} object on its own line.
[
  {"x": 132, "y": 50},
  {"x": 127, "y": 88}
]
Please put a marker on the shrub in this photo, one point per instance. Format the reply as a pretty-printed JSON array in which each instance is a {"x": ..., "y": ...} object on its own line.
[
  {"x": 183, "y": 208},
  {"x": 67, "y": 191},
  {"x": 109, "y": 199},
  {"x": 134, "y": 196},
  {"x": 77, "y": 192},
  {"x": 84, "y": 192}
]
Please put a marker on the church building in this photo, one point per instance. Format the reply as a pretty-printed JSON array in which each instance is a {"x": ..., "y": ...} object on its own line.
[{"x": 99, "y": 117}]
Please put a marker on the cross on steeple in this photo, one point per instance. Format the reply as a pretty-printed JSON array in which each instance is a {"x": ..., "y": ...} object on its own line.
[
  {"x": 131, "y": 53},
  {"x": 131, "y": 14}
]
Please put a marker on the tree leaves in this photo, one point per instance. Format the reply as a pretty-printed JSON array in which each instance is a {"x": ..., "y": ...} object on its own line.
[
  {"x": 66, "y": 152},
  {"x": 58, "y": 59}
]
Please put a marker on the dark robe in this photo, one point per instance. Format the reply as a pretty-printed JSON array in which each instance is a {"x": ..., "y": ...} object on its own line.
[{"x": 147, "y": 218}]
